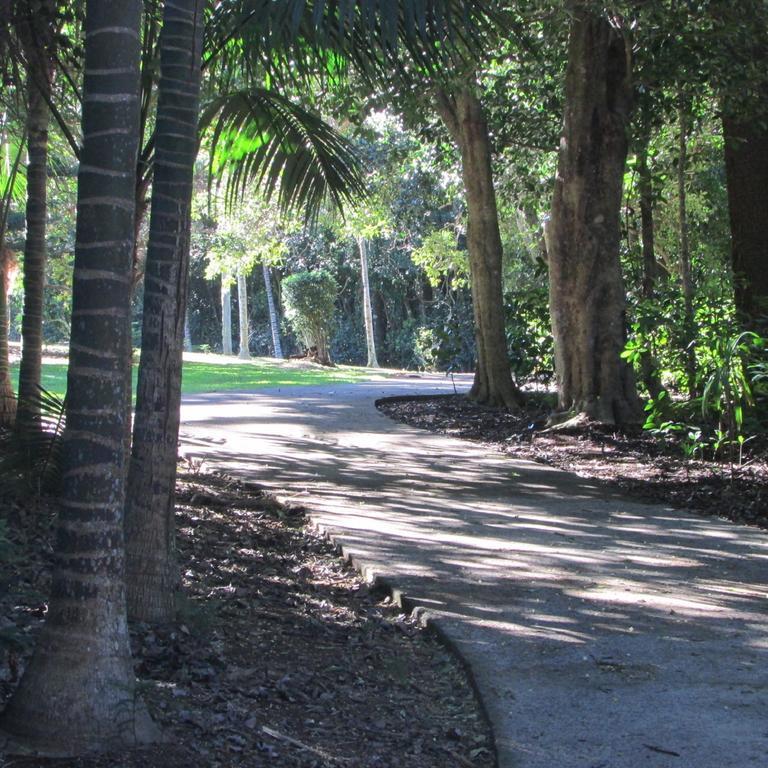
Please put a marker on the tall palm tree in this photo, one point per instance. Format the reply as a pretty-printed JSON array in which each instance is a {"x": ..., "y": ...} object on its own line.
[
  {"x": 8, "y": 265},
  {"x": 289, "y": 152},
  {"x": 78, "y": 693},
  {"x": 36, "y": 29},
  {"x": 282, "y": 125},
  {"x": 152, "y": 475}
]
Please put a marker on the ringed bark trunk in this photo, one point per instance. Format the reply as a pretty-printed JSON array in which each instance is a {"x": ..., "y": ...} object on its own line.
[
  {"x": 78, "y": 693},
  {"x": 38, "y": 91},
  {"x": 7, "y": 396},
  {"x": 149, "y": 520},
  {"x": 587, "y": 299}
]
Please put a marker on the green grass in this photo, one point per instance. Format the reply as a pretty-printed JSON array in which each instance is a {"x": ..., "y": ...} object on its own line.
[{"x": 215, "y": 376}]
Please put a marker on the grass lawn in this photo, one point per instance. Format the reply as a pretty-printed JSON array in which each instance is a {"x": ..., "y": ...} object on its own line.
[{"x": 214, "y": 373}]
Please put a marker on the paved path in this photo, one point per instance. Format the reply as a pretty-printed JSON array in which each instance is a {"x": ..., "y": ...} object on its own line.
[{"x": 601, "y": 633}]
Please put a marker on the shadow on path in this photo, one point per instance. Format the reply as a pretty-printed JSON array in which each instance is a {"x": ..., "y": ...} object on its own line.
[{"x": 600, "y": 632}]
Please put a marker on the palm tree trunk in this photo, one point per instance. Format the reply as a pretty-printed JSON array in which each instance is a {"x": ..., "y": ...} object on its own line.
[
  {"x": 8, "y": 266},
  {"x": 149, "y": 517},
  {"x": 586, "y": 288},
  {"x": 463, "y": 115},
  {"x": 7, "y": 396},
  {"x": 226, "y": 314},
  {"x": 274, "y": 322},
  {"x": 370, "y": 338},
  {"x": 242, "y": 306},
  {"x": 78, "y": 694},
  {"x": 38, "y": 91}
]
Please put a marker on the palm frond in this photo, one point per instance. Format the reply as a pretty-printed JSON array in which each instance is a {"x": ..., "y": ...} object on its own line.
[
  {"x": 370, "y": 34},
  {"x": 262, "y": 138},
  {"x": 13, "y": 178},
  {"x": 30, "y": 452}
]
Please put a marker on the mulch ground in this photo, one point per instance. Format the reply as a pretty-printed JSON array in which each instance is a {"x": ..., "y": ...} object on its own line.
[
  {"x": 282, "y": 655},
  {"x": 638, "y": 465}
]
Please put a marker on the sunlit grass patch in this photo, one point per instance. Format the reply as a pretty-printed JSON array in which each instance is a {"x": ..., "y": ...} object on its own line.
[{"x": 214, "y": 373}]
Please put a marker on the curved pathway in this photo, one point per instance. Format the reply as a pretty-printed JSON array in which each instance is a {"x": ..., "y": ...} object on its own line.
[{"x": 601, "y": 633}]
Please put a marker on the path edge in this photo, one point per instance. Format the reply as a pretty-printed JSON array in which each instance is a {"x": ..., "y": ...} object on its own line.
[{"x": 427, "y": 619}]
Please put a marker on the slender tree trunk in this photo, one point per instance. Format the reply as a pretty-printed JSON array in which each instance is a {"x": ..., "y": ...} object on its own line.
[
  {"x": 587, "y": 300},
  {"x": 78, "y": 694},
  {"x": 463, "y": 115},
  {"x": 149, "y": 524},
  {"x": 686, "y": 277},
  {"x": 8, "y": 266},
  {"x": 380, "y": 319},
  {"x": 648, "y": 366},
  {"x": 7, "y": 396},
  {"x": 370, "y": 338},
  {"x": 274, "y": 322},
  {"x": 746, "y": 172},
  {"x": 242, "y": 305},
  {"x": 38, "y": 91},
  {"x": 187, "y": 333},
  {"x": 226, "y": 314}
]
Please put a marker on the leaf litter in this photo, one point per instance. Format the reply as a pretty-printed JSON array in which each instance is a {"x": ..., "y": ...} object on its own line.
[{"x": 281, "y": 655}]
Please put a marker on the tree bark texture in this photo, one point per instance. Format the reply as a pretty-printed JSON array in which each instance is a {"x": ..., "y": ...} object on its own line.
[
  {"x": 226, "y": 314},
  {"x": 463, "y": 115},
  {"x": 370, "y": 338},
  {"x": 35, "y": 33},
  {"x": 149, "y": 519},
  {"x": 587, "y": 300},
  {"x": 274, "y": 322},
  {"x": 78, "y": 693},
  {"x": 746, "y": 170}
]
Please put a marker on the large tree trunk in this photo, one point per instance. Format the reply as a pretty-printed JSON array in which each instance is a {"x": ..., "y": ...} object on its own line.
[
  {"x": 370, "y": 338},
  {"x": 226, "y": 314},
  {"x": 149, "y": 523},
  {"x": 244, "y": 352},
  {"x": 587, "y": 300},
  {"x": 36, "y": 36},
  {"x": 746, "y": 172},
  {"x": 78, "y": 694},
  {"x": 463, "y": 115},
  {"x": 274, "y": 322}
]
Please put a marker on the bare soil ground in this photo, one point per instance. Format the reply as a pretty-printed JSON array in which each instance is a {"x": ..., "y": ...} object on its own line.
[
  {"x": 282, "y": 656},
  {"x": 638, "y": 465}
]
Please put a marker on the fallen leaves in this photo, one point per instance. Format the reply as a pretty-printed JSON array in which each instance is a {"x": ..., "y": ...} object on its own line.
[{"x": 281, "y": 656}]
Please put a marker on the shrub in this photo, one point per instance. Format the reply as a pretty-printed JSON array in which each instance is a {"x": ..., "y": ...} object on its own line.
[{"x": 310, "y": 301}]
